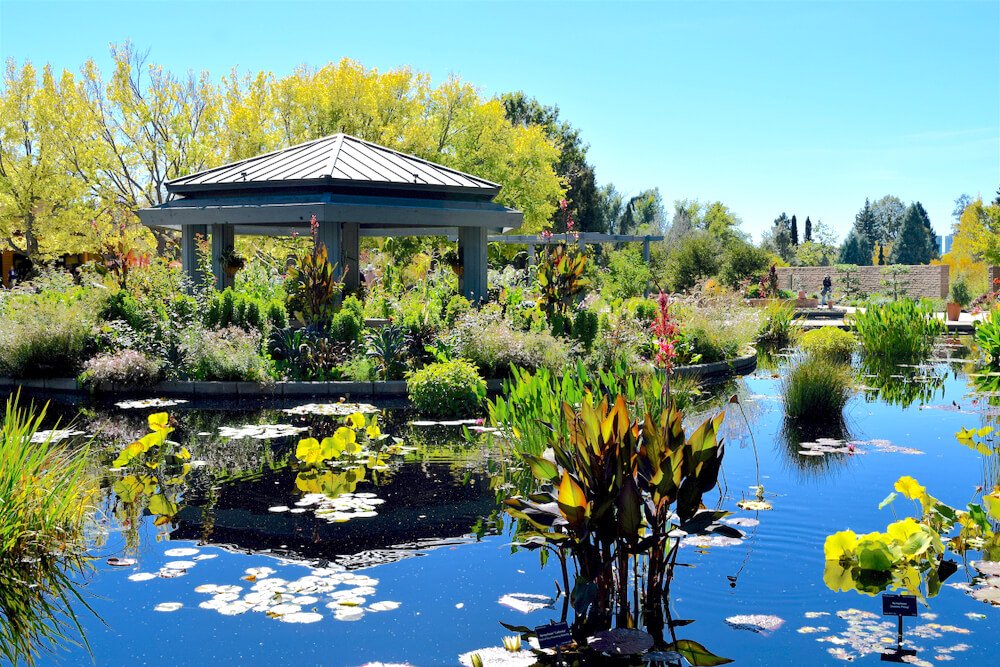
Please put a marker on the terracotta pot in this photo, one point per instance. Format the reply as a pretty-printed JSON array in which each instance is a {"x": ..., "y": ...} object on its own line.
[{"x": 954, "y": 310}]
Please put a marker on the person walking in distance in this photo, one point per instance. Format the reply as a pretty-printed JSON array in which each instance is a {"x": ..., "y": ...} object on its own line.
[{"x": 827, "y": 291}]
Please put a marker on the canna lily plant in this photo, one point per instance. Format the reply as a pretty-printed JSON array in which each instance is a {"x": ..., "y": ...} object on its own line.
[{"x": 615, "y": 495}]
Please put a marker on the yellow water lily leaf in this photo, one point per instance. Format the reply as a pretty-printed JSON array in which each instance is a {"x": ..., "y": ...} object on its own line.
[
  {"x": 346, "y": 440},
  {"x": 308, "y": 451},
  {"x": 356, "y": 420},
  {"x": 373, "y": 430},
  {"x": 991, "y": 504},
  {"x": 158, "y": 421},
  {"x": 840, "y": 546},
  {"x": 838, "y": 577},
  {"x": 901, "y": 531},
  {"x": 910, "y": 488}
]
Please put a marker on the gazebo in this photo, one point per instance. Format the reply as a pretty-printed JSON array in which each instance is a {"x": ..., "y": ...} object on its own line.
[{"x": 354, "y": 188}]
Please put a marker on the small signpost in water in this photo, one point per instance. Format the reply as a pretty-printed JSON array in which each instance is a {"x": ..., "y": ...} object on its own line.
[
  {"x": 554, "y": 635},
  {"x": 899, "y": 606}
]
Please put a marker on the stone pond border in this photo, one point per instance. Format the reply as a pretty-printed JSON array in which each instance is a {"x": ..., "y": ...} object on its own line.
[{"x": 250, "y": 390}]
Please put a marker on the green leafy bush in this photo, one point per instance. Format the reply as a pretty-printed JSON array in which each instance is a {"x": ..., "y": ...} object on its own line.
[
  {"x": 742, "y": 261},
  {"x": 247, "y": 311},
  {"x": 42, "y": 337},
  {"x": 960, "y": 293},
  {"x": 585, "y": 326},
  {"x": 695, "y": 257},
  {"x": 829, "y": 343},
  {"x": 816, "y": 389},
  {"x": 897, "y": 331},
  {"x": 627, "y": 273},
  {"x": 346, "y": 326},
  {"x": 230, "y": 354},
  {"x": 493, "y": 346},
  {"x": 449, "y": 389},
  {"x": 457, "y": 306},
  {"x": 128, "y": 368}
]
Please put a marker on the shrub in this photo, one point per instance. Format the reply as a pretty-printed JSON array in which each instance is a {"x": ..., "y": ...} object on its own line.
[
  {"x": 387, "y": 347},
  {"x": 247, "y": 311},
  {"x": 828, "y": 343},
  {"x": 346, "y": 326},
  {"x": 44, "y": 338},
  {"x": 695, "y": 257},
  {"x": 643, "y": 310},
  {"x": 449, "y": 389},
  {"x": 493, "y": 346},
  {"x": 129, "y": 368},
  {"x": 896, "y": 331},
  {"x": 457, "y": 306},
  {"x": 628, "y": 274},
  {"x": 718, "y": 330},
  {"x": 585, "y": 325},
  {"x": 817, "y": 389},
  {"x": 352, "y": 304},
  {"x": 742, "y": 261},
  {"x": 622, "y": 342},
  {"x": 230, "y": 354},
  {"x": 960, "y": 293}
]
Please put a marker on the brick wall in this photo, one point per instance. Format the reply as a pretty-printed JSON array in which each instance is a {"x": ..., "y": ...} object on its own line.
[{"x": 929, "y": 281}]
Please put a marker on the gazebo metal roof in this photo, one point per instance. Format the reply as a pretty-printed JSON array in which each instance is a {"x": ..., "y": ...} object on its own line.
[
  {"x": 352, "y": 187},
  {"x": 339, "y": 160}
]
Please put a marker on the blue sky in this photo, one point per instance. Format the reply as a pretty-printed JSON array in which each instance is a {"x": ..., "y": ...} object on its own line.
[{"x": 805, "y": 107}]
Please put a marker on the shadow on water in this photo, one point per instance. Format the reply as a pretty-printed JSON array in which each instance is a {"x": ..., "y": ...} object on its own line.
[{"x": 814, "y": 448}]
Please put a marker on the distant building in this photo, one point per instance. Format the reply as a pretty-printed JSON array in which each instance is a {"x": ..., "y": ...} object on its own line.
[{"x": 946, "y": 242}]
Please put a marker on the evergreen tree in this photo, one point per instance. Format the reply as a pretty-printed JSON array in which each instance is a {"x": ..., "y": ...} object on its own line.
[
  {"x": 913, "y": 242},
  {"x": 865, "y": 226},
  {"x": 934, "y": 251},
  {"x": 795, "y": 230},
  {"x": 854, "y": 250},
  {"x": 779, "y": 238},
  {"x": 809, "y": 229},
  {"x": 881, "y": 255}
]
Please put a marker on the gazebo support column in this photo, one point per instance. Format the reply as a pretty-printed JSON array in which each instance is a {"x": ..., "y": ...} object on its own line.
[
  {"x": 472, "y": 250},
  {"x": 223, "y": 240},
  {"x": 350, "y": 252},
  {"x": 189, "y": 250}
]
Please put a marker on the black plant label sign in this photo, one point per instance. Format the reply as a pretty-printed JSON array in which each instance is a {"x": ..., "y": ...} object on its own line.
[
  {"x": 899, "y": 605},
  {"x": 553, "y": 635}
]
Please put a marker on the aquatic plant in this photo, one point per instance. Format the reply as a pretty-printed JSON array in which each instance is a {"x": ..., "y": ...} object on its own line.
[
  {"x": 988, "y": 337},
  {"x": 447, "y": 389},
  {"x": 909, "y": 554},
  {"x": 899, "y": 331},
  {"x": 829, "y": 343},
  {"x": 778, "y": 328},
  {"x": 615, "y": 494},
  {"x": 48, "y": 494},
  {"x": 387, "y": 348},
  {"x": 353, "y": 439},
  {"x": 817, "y": 389}
]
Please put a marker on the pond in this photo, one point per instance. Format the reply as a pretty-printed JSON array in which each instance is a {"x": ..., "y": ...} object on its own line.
[{"x": 242, "y": 559}]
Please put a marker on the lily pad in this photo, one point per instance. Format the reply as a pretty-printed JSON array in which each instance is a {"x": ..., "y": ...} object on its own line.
[
  {"x": 180, "y": 552},
  {"x": 168, "y": 606},
  {"x": 621, "y": 641},
  {"x": 526, "y": 602},
  {"x": 760, "y": 623}
]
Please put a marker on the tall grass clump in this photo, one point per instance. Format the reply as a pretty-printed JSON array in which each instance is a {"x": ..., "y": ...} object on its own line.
[
  {"x": 44, "y": 338},
  {"x": 898, "y": 331},
  {"x": 829, "y": 343},
  {"x": 816, "y": 389},
  {"x": 778, "y": 328},
  {"x": 47, "y": 495}
]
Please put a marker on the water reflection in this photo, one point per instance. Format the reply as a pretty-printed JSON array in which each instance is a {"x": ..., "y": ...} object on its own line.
[{"x": 815, "y": 448}]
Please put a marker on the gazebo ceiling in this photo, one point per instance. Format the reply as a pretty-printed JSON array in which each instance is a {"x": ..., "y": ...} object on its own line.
[{"x": 337, "y": 162}]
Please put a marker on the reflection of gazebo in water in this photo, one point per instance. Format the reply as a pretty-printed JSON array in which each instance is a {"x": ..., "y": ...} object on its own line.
[{"x": 353, "y": 187}]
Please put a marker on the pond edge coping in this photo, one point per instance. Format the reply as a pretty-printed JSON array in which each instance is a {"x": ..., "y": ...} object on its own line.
[{"x": 742, "y": 365}]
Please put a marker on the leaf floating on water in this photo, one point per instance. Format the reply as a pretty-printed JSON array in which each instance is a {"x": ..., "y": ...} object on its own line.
[
  {"x": 742, "y": 521},
  {"x": 498, "y": 656},
  {"x": 179, "y": 565},
  {"x": 754, "y": 505},
  {"x": 348, "y": 614},
  {"x": 277, "y": 508},
  {"x": 974, "y": 616},
  {"x": 384, "y": 605},
  {"x": 121, "y": 562},
  {"x": 260, "y": 431},
  {"x": 302, "y": 617},
  {"x": 526, "y": 602},
  {"x": 180, "y": 552},
  {"x": 142, "y": 576},
  {"x": 150, "y": 403},
  {"x": 205, "y": 556},
  {"x": 168, "y": 606},
  {"x": 331, "y": 409},
  {"x": 760, "y": 623},
  {"x": 621, "y": 641}
]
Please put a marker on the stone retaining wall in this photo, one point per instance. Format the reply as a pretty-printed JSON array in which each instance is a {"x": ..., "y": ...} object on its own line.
[{"x": 922, "y": 280}]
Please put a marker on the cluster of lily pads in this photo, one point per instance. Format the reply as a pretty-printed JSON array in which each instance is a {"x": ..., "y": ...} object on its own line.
[
  {"x": 150, "y": 403},
  {"x": 340, "y": 409},
  {"x": 338, "y": 509},
  {"x": 824, "y": 446}
]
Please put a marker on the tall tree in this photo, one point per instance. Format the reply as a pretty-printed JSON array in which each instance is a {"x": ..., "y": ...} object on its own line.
[
  {"x": 961, "y": 202},
  {"x": 779, "y": 238},
  {"x": 687, "y": 216},
  {"x": 795, "y": 230},
  {"x": 913, "y": 243},
  {"x": 934, "y": 250},
  {"x": 888, "y": 212},
  {"x": 865, "y": 231},
  {"x": 809, "y": 229},
  {"x": 855, "y": 250},
  {"x": 610, "y": 205},
  {"x": 643, "y": 214},
  {"x": 582, "y": 191}
]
